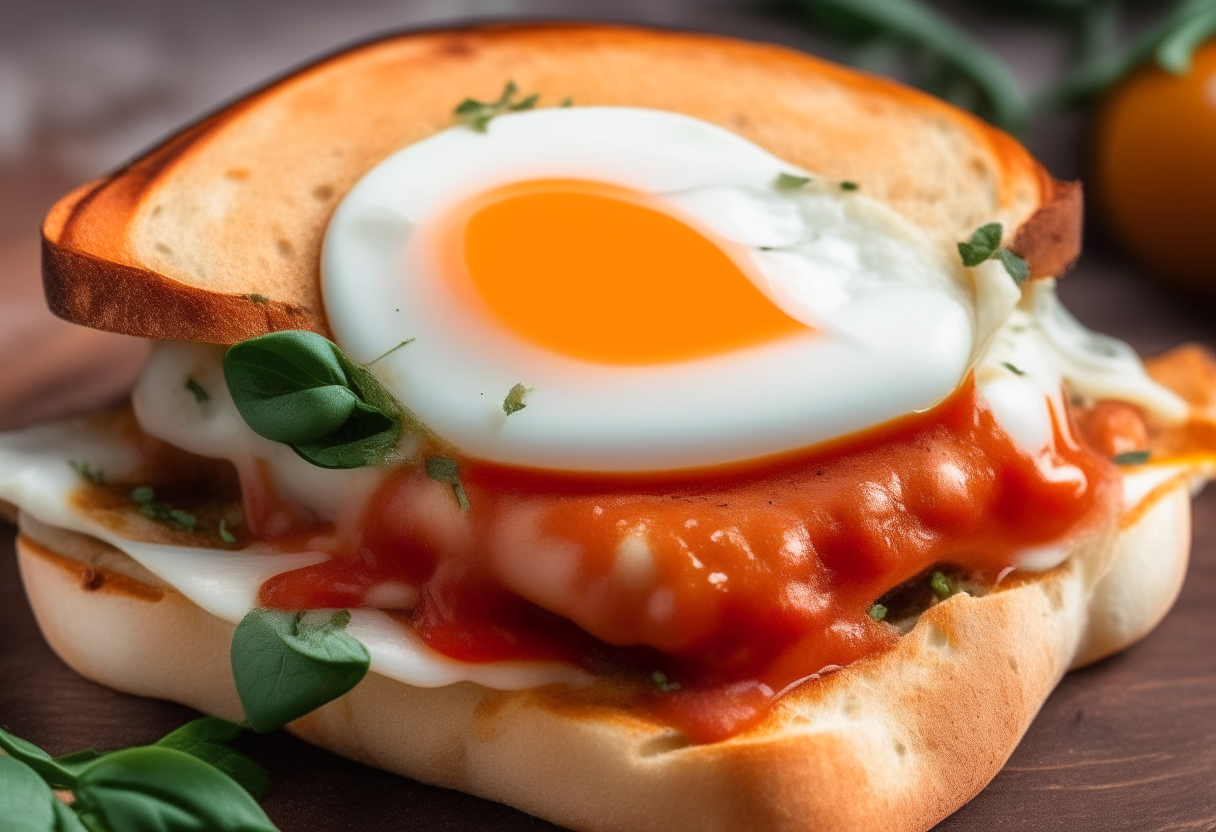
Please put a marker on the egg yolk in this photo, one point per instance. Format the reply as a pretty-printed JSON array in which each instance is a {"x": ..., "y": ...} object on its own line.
[{"x": 606, "y": 274}]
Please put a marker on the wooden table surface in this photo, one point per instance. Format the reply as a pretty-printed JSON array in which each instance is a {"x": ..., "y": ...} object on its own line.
[{"x": 1129, "y": 744}]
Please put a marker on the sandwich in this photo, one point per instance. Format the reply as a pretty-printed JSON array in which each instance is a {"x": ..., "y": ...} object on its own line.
[{"x": 656, "y": 431}]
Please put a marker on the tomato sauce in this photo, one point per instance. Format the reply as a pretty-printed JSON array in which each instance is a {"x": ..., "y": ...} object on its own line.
[{"x": 724, "y": 586}]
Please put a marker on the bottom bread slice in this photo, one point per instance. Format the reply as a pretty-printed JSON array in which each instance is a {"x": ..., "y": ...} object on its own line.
[{"x": 895, "y": 742}]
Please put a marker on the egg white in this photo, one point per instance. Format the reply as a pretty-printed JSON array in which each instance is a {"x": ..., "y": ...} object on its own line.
[{"x": 894, "y": 319}]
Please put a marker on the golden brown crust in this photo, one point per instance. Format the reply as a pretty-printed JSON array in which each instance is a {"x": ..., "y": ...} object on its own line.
[
  {"x": 237, "y": 204},
  {"x": 894, "y": 742},
  {"x": 1050, "y": 241}
]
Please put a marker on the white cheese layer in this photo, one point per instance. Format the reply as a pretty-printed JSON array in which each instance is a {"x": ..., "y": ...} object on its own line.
[{"x": 36, "y": 475}]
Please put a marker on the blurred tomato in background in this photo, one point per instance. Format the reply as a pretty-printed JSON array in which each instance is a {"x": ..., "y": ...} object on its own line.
[{"x": 1154, "y": 169}]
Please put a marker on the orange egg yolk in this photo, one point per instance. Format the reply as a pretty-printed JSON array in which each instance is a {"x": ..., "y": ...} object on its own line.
[{"x": 605, "y": 274}]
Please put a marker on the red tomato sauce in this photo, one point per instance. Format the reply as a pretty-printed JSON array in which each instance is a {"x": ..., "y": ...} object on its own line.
[{"x": 742, "y": 579}]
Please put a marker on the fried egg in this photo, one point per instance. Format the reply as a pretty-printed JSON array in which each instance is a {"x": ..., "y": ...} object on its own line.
[{"x": 666, "y": 296}]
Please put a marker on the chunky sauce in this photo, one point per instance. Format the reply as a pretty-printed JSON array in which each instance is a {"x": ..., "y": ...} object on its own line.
[{"x": 731, "y": 583}]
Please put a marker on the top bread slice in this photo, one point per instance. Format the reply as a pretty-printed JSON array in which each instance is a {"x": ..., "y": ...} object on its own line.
[{"x": 215, "y": 235}]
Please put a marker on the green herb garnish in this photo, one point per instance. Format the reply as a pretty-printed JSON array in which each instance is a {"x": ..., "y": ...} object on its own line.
[
  {"x": 300, "y": 389},
  {"x": 985, "y": 244},
  {"x": 790, "y": 181},
  {"x": 878, "y": 612},
  {"x": 287, "y": 664},
  {"x": 661, "y": 682},
  {"x": 1132, "y": 457},
  {"x": 391, "y": 350},
  {"x": 226, "y": 535},
  {"x": 89, "y": 474},
  {"x": 200, "y": 393},
  {"x": 514, "y": 402},
  {"x": 1011, "y": 368},
  {"x": 849, "y": 186},
  {"x": 161, "y": 512},
  {"x": 445, "y": 470},
  {"x": 477, "y": 115},
  {"x": 566, "y": 102},
  {"x": 190, "y": 779},
  {"x": 256, "y": 298},
  {"x": 942, "y": 586},
  {"x": 207, "y": 739}
]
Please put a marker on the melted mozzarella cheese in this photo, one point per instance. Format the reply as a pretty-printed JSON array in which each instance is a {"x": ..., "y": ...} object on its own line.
[{"x": 35, "y": 475}]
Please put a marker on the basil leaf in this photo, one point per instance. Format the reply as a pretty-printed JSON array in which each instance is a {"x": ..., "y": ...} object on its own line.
[
  {"x": 155, "y": 789},
  {"x": 66, "y": 820},
  {"x": 206, "y": 739},
  {"x": 287, "y": 664},
  {"x": 299, "y": 388},
  {"x": 982, "y": 245},
  {"x": 56, "y": 775},
  {"x": 26, "y": 802},
  {"x": 289, "y": 386},
  {"x": 367, "y": 438},
  {"x": 78, "y": 760}
]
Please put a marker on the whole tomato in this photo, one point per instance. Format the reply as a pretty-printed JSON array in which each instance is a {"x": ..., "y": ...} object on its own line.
[{"x": 1154, "y": 168}]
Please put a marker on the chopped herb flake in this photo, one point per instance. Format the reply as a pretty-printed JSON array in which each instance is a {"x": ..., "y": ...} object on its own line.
[
  {"x": 390, "y": 351},
  {"x": 442, "y": 469},
  {"x": 790, "y": 181},
  {"x": 477, "y": 115},
  {"x": 89, "y": 474},
  {"x": 1011, "y": 368},
  {"x": 200, "y": 392},
  {"x": 226, "y": 535},
  {"x": 661, "y": 682},
  {"x": 878, "y": 612},
  {"x": 849, "y": 186},
  {"x": 985, "y": 244},
  {"x": 1132, "y": 457},
  {"x": 153, "y": 509},
  {"x": 1018, "y": 268},
  {"x": 256, "y": 298},
  {"x": 514, "y": 402},
  {"x": 942, "y": 586},
  {"x": 566, "y": 102}
]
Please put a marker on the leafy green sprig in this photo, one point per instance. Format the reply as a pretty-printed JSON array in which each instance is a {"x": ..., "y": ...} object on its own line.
[
  {"x": 477, "y": 115},
  {"x": 190, "y": 780},
  {"x": 299, "y": 388},
  {"x": 950, "y": 63},
  {"x": 985, "y": 244},
  {"x": 287, "y": 664}
]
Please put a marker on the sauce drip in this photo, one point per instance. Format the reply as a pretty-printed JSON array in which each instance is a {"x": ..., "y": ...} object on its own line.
[{"x": 724, "y": 585}]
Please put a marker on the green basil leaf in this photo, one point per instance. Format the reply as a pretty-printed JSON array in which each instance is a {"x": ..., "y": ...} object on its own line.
[
  {"x": 77, "y": 760},
  {"x": 299, "y": 388},
  {"x": 287, "y": 664},
  {"x": 1018, "y": 268},
  {"x": 289, "y": 386},
  {"x": 207, "y": 739},
  {"x": 56, "y": 775},
  {"x": 155, "y": 789},
  {"x": 26, "y": 802},
  {"x": 66, "y": 820}
]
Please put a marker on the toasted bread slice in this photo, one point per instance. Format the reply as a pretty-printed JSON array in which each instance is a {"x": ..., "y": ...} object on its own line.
[{"x": 215, "y": 235}]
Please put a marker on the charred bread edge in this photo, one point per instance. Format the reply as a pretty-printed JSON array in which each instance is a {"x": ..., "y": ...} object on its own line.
[
  {"x": 893, "y": 742},
  {"x": 83, "y": 236}
]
